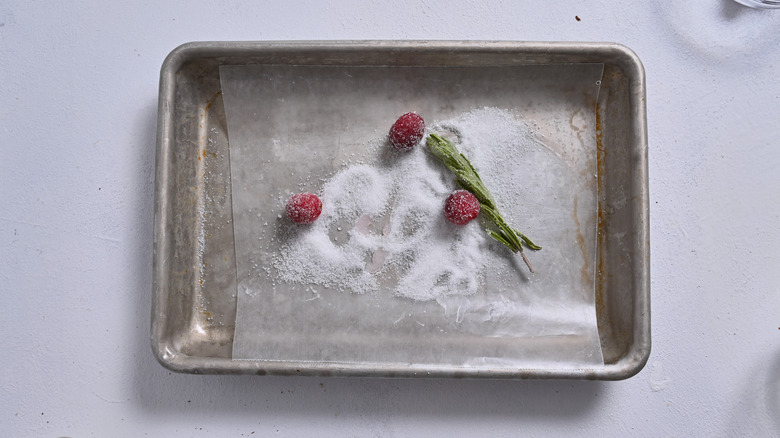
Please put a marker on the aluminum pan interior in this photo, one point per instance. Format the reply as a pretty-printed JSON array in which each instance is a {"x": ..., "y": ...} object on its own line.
[{"x": 193, "y": 320}]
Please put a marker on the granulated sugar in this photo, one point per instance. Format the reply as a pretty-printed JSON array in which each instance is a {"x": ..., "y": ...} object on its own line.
[{"x": 382, "y": 224}]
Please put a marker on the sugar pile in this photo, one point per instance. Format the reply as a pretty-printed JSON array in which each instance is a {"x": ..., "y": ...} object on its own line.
[{"x": 382, "y": 224}]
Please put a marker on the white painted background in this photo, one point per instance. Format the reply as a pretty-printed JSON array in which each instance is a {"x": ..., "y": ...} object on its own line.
[{"x": 78, "y": 93}]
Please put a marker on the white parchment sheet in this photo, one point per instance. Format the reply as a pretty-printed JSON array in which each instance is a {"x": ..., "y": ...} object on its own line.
[{"x": 292, "y": 128}]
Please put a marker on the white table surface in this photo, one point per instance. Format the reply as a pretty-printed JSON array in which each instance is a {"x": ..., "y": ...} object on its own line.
[{"x": 78, "y": 95}]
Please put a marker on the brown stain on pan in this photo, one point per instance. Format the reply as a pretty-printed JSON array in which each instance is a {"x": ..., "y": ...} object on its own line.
[
  {"x": 602, "y": 313},
  {"x": 212, "y": 99},
  {"x": 581, "y": 243},
  {"x": 203, "y": 117}
]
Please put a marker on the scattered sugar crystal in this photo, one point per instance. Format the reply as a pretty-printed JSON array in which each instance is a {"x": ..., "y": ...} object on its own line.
[{"x": 391, "y": 210}]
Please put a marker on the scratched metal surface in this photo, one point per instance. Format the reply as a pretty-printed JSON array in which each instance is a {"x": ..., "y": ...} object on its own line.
[{"x": 194, "y": 307}]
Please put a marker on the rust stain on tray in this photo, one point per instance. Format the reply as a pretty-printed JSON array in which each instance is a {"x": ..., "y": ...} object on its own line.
[
  {"x": 601, "y": 154},
  {"x": 602, "y": 313},
  {"x": 581, "y": 243},
  {"x": 211, "y": 101}
]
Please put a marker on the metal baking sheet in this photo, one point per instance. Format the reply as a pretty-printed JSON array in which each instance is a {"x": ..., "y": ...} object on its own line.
[{"x": 195, "y": 266}]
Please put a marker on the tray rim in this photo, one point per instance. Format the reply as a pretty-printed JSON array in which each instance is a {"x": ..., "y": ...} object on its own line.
[{"x": 628, "y": 365}]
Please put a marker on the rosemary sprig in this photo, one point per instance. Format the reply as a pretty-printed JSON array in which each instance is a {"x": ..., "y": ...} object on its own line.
[{"x": 468, "y": 178}]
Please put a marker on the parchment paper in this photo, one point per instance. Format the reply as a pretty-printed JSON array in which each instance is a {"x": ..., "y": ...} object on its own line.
[{"x": 292, "y": 127}]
